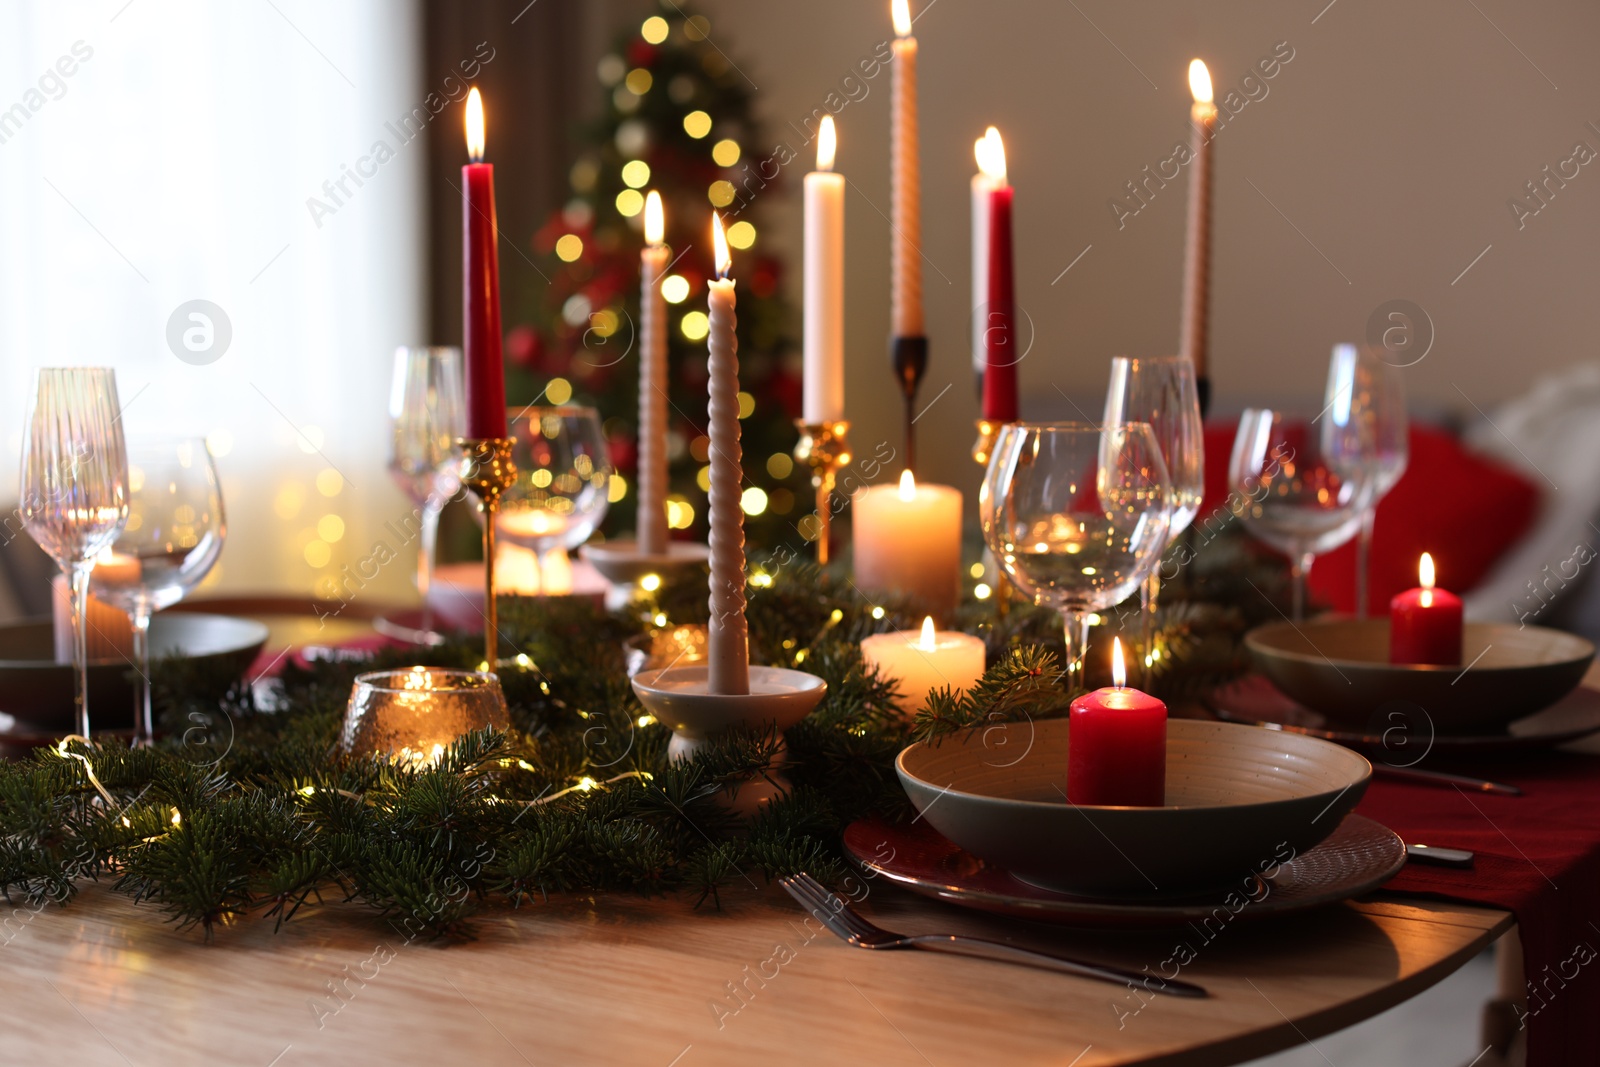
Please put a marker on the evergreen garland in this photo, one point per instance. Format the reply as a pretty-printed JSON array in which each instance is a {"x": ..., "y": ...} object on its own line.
[{"x": 245, "y": 810}]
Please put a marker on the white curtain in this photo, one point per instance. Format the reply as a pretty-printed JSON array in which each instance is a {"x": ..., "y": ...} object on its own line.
[{"x": 157, "y": 152}]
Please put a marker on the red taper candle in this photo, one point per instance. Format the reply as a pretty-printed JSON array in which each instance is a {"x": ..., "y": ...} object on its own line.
[
  {"x": 1425, "y": 623},
  {"x": 1000, "y": 336},
  {"x": 1117, "y": 745},
  {"x": 486, "y": 382}
]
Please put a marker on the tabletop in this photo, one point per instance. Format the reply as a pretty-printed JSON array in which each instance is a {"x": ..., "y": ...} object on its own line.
[{"x": 620, "y": 979}]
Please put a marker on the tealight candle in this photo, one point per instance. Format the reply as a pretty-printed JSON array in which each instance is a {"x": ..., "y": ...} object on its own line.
[
  {"x": 1117, "y": 744},
  {"x": 919, "y": 663},
  {"x": 1425, "y": 623},
  {"x": 908, "y": 543}
]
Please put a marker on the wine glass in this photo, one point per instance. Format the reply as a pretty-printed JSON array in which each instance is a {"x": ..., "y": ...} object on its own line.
[
  {"x": 75, "y": 489},
  {"x": 1077, "y": 516},
  {"x": 563, "y": 479},
  {"x": 1160, "y": 390},
  {"x": 1291, "y": 493},
  {"x": 1364, "y": 422},
  {"x": 427, "y": 414},
  {"x": 172, "y": 539}
]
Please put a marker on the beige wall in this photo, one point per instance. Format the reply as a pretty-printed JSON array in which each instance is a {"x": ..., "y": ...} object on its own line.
[{"x": 1391, "y": 143}]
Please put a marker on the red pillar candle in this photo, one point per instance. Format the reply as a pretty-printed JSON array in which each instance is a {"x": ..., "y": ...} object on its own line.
[
  {"x": 486, "y": 382},
  {"x": 1117, "y": 750},
  {"x": 1425, "y": 623},
  {"x": 1000, "y": 336}
]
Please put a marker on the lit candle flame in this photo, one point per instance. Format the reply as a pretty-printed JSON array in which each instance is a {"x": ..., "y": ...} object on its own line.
[
  {"x": 720, "y": 241},
  {"x": 1119, "y": 669},
  {"x": 475, "y": 126},
  {"x": 655, "y": 220},
  {"x": 1199, "y": 81},
  {"x": 827, "y": 143},
  {"x": 1425, "y": 577},
  {"x": 991, "y": 153},
  {"x": 929, "y": 642},
  {"x": 908, "y": 486},
  {"x": 900, "y": 14}
]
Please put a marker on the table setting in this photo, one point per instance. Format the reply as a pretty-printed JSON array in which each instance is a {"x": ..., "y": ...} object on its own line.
[{"x": 1087, "y": 742}]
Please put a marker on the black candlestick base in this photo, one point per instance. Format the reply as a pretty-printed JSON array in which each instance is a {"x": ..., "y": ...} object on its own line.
[{"x": 909, "y": 355}]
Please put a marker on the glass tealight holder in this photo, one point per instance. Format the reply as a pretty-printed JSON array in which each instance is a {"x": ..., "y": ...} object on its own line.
[{"x": 412, "y": 715}]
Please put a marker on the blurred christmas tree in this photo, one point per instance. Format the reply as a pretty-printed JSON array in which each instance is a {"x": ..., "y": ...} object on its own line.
[{"x": 677, "y": 119}]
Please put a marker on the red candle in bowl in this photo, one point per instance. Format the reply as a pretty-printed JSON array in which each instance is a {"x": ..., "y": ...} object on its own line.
[
  {"x": 1118, "y": 745},
  {"x": 1425, "y": 623}
]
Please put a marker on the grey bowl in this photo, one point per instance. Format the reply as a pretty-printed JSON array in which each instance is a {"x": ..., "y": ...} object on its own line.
[
  {"x": 1240, "y": 802},
  {"x": 1340, "y": 667}
]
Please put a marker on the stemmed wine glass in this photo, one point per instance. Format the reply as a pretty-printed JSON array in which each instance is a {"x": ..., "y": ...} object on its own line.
[
  {"x": 1364, "y": 423},
  {"x": 1077, "y": 516},
  {"x": 563, "y": 478},
  {"x": 1161, "y": 391},
  {"x": 1292, "y": 493},
  {"x": 75, "y": 489},
  {"x": 172, "y": 539},
  {"x": 427, "y": 413}
]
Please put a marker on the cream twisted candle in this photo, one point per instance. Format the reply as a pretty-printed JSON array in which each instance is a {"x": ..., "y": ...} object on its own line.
[
  {"x": 1197, "y": 250},
  {"x": 906, "y": 196},
  {"x": 728, "y": 645},
  {"x": 652, "y": 517}
]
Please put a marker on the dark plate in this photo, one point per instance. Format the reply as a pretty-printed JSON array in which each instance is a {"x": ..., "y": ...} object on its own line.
[
  {"x": 37, "y": 691},
  {"x": 1254, "y": 700},
  {"x": 1359, "y": 856}
]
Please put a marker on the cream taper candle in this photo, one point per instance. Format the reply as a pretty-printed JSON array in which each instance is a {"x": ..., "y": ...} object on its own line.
[
  {"x": 1197, "y": 249},
  {"x": 728, "y": 637},
  {"x": 824, "y": 284},
  {"x": 652, "y": 477},
  {"x": 905, "y": 202},
  {"x": 982, "y": 186}
]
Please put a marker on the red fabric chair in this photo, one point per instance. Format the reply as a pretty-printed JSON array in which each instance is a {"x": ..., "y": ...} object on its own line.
[{"x": 1464, "y": 509}]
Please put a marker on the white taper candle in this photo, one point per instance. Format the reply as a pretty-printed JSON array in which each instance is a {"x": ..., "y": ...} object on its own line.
[
  {"x": 652, "y": 476},
  {"x": 824, "y": 284},
  {"x": 728, "y": 639}
]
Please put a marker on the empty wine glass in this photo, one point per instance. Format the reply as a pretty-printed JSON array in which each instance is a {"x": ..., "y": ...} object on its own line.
[
  {"x": 563, "y": 479},
  {"x": 1364, "y": 422},
  {"x": 1077, "y": 516},
  {"x": 1291, "y": 494},
  {"x": 172, "y": 538},
  {"x": 1161, "y": 391},
  {"x": 75, "y": 489},
  {"x": 427, "y": 414}
]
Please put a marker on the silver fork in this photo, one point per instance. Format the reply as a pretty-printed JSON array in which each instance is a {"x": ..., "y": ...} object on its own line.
[{"x": 831, "y": 911}]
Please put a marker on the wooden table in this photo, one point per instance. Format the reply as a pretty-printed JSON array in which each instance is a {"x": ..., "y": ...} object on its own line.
[{"x": 619, "y": 980}]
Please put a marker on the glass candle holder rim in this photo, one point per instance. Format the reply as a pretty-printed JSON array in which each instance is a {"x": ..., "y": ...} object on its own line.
[
  {"x": 1067, "y": 425},
  {"x": 370, "y": 680}
]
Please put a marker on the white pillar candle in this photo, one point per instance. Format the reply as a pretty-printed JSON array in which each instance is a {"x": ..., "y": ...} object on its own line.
[
  {"x": 920, "y": 662},
  {"x": 905, "y": 200},
  {"x": 728, "y": 644},
  {"x": 1197, "y": 248},
  {"x": 824, "y": 284},
  {"x": 652, "y": 477},
  {"x": 908, "y": 543}
]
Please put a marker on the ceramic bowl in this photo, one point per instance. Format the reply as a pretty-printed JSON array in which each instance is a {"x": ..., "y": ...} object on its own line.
[
  {"x": 1241, "y": 801},
  {"x": 1340, "y": 667}
]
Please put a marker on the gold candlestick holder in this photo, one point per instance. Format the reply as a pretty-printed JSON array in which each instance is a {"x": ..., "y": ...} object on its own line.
[
  {"x": 825, "y": 447},
  {"x": 983, "y": 447},
  {"x": 487, "y": 470},
  {"x": 982, "y": 450}
]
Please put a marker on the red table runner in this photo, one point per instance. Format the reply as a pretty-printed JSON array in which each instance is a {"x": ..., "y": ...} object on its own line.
[{"x": 1538, "y": 856}]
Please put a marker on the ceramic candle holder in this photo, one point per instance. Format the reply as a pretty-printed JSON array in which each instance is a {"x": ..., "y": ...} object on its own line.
[
  {"x": 680, "y": 697},
  {"x": 623, "y": 565},
  {"x": 412, "y": 715},
  {"x": 673, "y": 646}
]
